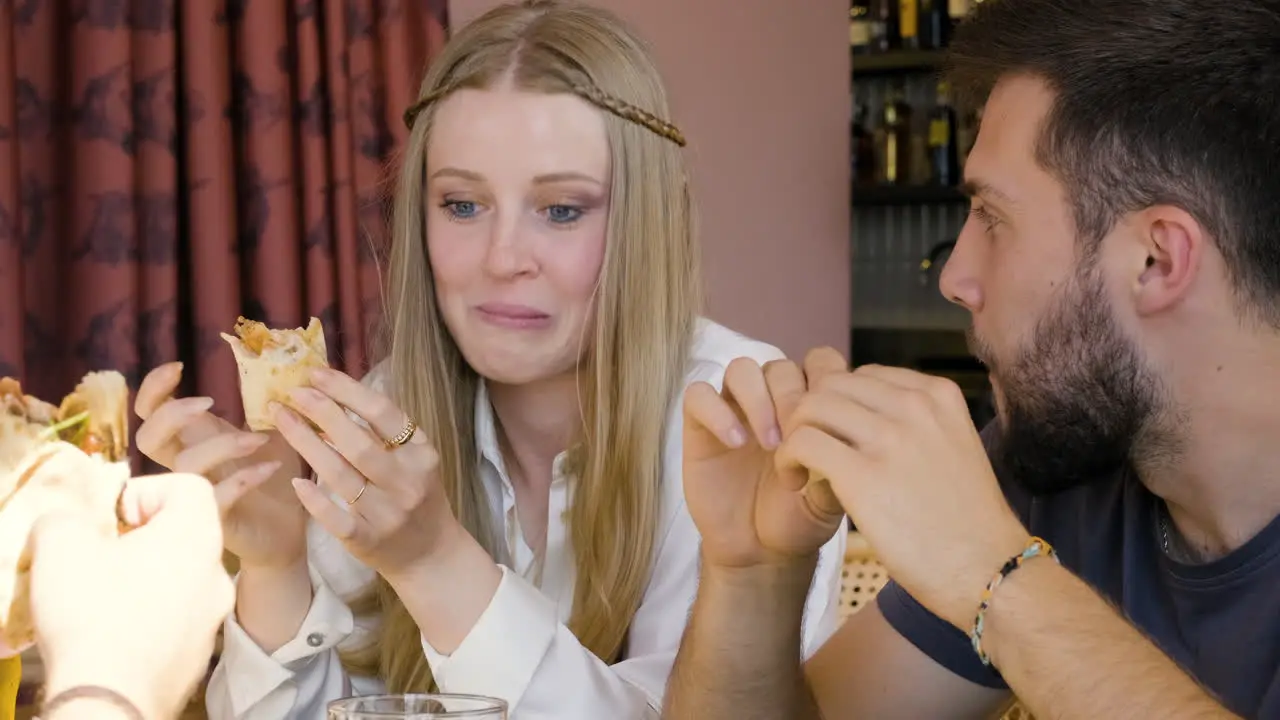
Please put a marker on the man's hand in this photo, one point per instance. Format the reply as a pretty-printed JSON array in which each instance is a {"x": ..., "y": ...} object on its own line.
[
  {"x": 136, "y": 613},
  {"x": 749, "y": 512},
  {"x": 902, "y": 455}
]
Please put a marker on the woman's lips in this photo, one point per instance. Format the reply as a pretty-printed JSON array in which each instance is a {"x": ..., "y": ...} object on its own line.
[{"x": 515, "y": 317}]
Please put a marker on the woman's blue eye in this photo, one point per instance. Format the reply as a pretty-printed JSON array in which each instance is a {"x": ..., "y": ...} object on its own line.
[
  {"x": 563, "y": 214},
  {"x": 460, "y": 209}
]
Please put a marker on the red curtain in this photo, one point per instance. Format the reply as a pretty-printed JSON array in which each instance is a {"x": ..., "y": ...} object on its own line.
[{"x": 167, "y": 165}]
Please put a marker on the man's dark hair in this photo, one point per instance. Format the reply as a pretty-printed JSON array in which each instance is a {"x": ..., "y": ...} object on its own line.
[{"x": 1157, "y": 102}]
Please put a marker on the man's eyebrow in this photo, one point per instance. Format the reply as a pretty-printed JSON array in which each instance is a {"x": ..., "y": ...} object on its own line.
[{"x": 978, "y": 188}]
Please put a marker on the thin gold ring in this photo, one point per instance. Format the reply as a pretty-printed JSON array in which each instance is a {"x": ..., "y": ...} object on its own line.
[
  {"x": 410, "y": 427},
  {"x": 359, "y": 495}
]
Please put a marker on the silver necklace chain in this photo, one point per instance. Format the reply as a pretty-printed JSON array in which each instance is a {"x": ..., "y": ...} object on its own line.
[
  {"x": 1162, "y": 522},
  {"x": 1183, "y": 552}
]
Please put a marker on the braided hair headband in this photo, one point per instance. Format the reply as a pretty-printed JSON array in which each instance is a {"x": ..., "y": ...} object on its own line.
[{"x": 595, "y": 96}]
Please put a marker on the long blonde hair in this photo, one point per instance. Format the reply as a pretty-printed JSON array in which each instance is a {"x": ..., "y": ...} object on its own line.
[{"x": 646, "y": 306}]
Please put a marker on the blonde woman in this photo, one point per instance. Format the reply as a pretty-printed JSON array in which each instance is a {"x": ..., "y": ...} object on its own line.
[{"x": 498, "y": 508}]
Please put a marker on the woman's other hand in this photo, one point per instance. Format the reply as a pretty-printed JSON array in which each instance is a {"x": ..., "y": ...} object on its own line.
[{"x": 263, "y": 523}]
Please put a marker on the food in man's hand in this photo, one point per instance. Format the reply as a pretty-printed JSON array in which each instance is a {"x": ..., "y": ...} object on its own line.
[
  {"x": 94, "y": 418},
  {"x": 67, "y": 458},
  {"x": 273, "y": 362},
  {"x": 57, "y": 478}
]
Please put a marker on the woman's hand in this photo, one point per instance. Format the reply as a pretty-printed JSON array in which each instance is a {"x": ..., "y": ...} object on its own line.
[
  {"x": 262, "y": 521},
  {"x": 137, "y": 613},
  {"x": 393, "y": 511}
]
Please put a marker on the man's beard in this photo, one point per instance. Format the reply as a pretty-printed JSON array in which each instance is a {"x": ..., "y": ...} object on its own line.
[{"x": 1077, "y": 399}]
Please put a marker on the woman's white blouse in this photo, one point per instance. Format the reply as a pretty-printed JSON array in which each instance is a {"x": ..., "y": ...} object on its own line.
[{"x": 520, "y": 649}]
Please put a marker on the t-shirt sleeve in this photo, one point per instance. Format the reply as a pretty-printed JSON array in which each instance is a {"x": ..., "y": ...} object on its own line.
[{"x": 935, "y": 637}]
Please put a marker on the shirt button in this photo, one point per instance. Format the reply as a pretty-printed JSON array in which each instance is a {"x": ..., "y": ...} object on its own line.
[{"x": 315, "y": 639}]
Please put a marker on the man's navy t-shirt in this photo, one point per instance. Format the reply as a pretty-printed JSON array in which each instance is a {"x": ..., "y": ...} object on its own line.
[{"x": 1220, "y": 621}]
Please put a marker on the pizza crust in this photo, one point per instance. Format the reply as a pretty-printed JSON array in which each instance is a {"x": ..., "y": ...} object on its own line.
[{"x": 273, "y": 362}]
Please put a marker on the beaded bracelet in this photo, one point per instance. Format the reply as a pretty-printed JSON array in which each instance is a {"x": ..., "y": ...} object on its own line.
[
  {"x": 1035, "y": 547},
  {"x": 92, "y": 692}
]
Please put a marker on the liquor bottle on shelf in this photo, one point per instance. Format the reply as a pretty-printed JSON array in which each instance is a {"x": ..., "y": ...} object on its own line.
[
  {"x": 943, "y": 153},
  {"x": 919, "y": 165},
  {"x": 909, "y": 24},
  {"x": 862, "y": 149},
  {"x": 895, "y": 140},
  {"x": 958, "y": 9},
  {"x": 860, "y": 26},
  {"x": 884, "y": 25},
  {"x": 935, "y": 24}
]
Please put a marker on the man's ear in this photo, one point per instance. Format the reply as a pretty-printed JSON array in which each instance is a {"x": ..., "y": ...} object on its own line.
[{"x": 1172, "y": 246}]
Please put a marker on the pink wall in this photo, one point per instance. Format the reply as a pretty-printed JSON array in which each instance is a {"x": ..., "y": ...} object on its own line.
[{"x": 761, "y": 89}]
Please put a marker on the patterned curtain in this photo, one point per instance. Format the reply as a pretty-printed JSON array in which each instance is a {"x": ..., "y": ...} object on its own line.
[{"x": 167, "y": 165}]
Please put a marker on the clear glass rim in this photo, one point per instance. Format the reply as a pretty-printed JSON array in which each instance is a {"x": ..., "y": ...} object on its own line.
[{"x": 485, "y": 705}]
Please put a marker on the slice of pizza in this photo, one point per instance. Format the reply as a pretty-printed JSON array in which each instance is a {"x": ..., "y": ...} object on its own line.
[
  {"x": 71, "y": 457},
  {"x": 272, "y": 362}
]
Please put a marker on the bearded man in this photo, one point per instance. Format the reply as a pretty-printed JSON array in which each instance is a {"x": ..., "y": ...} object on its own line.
[{"x": 1110, "y": 545}]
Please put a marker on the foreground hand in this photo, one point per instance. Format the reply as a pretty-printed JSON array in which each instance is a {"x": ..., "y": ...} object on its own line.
[
  {"x": 906, "y": 462},
  {"x": 748, "y": 512},
  {"x": 137, "y": 613},
  {"x": 263, "y": 524},
  {"x": 393, "y": 510}
]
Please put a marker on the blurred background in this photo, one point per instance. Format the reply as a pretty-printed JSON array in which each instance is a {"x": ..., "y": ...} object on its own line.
[{"x": 168, "y": 165}]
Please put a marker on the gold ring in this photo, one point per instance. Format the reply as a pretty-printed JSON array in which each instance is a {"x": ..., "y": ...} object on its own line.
[
  {"x": 410, "y": 427},
  {"x": 359, "y": 495}
]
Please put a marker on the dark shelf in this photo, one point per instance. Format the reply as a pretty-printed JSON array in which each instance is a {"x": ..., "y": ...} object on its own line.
[
  {"x": 898, "y": 61},
  {"x": 869, "y": 195}
]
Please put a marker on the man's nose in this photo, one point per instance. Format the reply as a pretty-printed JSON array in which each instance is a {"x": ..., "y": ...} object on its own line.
[{"x": 959, "y": 280}]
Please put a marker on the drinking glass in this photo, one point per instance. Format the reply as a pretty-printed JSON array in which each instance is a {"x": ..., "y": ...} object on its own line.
[{"x": 418, "y": 707}]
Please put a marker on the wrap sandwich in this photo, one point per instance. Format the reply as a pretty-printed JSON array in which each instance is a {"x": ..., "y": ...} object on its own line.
[
  {"x": 273, "y": 362},
  {"x": 73, "y": 457}
]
